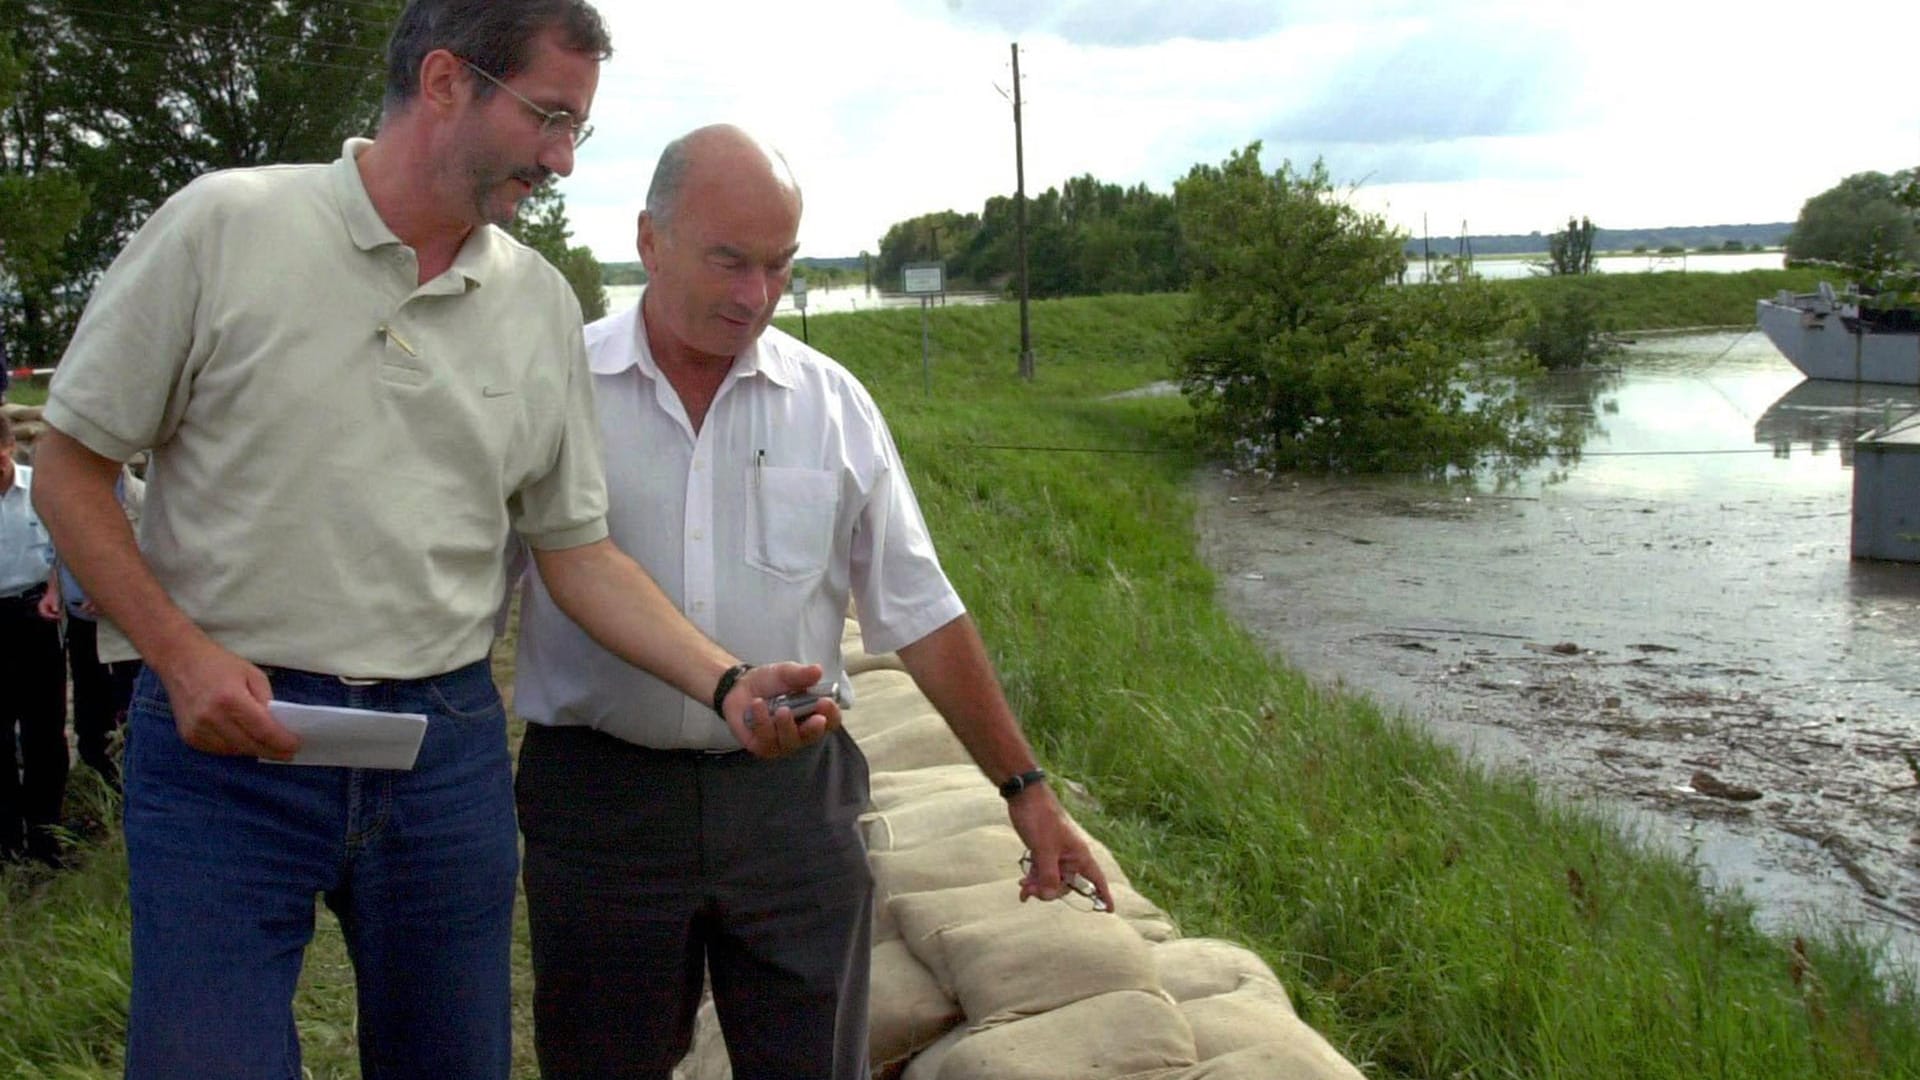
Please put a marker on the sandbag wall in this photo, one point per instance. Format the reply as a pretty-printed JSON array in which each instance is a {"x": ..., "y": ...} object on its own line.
[{"x": 971, "y": 984}]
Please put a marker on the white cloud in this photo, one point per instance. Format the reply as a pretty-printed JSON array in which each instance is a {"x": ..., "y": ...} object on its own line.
[{"x": 1508, "y": 115}]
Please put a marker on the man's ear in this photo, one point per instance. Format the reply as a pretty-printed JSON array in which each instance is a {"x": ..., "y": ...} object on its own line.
[
  {"x": 442, "y": 78},
  {"x": 647, "y": 241}
]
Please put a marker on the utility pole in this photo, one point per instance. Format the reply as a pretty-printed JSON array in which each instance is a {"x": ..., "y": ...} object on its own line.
[{"x": 1020, "y": 220}]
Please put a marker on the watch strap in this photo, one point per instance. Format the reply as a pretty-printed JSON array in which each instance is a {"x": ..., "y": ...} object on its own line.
[
  {"x": 1019, "y": 782},
  {"x": 725, "y": 686}
]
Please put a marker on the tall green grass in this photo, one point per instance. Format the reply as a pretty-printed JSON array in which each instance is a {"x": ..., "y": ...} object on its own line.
[
  {"x": 1670, "y": 299},
  {"x": 1433, "y": 919}
]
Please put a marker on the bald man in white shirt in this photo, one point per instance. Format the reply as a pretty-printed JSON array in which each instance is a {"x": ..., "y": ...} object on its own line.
[{"x": 757, "y": 482}]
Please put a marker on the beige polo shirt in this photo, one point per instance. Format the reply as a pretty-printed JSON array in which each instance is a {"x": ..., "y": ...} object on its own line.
[{"x": 338, "y": 451}]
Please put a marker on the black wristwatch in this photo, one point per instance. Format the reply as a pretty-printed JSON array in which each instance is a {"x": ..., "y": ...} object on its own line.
[
  {"x": 1019, "y": 782},
  {"x": 725, "y": 687}
]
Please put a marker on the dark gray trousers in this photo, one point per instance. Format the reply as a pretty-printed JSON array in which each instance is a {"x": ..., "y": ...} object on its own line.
[{"x": 646, "y": 870}]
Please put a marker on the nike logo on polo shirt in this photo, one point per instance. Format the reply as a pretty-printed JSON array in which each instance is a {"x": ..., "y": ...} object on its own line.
[{"x": 495, "y": 391}]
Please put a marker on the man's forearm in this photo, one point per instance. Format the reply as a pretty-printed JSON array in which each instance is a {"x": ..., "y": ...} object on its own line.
[
  {"x": 951, "y": 667},
  {"x": 73, "y": 493},
  {"x": 620, "y": 606}
]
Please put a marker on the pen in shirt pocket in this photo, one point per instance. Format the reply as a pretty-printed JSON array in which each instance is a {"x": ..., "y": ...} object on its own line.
[{"x": 759, "y": 465}]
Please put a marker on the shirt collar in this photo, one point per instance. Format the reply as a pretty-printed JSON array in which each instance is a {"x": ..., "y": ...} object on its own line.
[
  {"x": 764, "y": 357},
  {"x": 369, "y": 230}
]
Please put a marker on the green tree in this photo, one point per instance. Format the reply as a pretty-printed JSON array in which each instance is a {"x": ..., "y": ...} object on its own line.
[
  {"x": 542, "y": 226},
  {"x": 1084, "y": 237},
  {"x": 1567, "y": 330},
  {"x": 39, "y": 207},
  {"x": 1571, "y": 251},
  {"x": 1303, "y": 355},
  {"x": 1865, "y": 223},
  {"x": 134, "y": 98},
  {"x": 941, "y": 236}
]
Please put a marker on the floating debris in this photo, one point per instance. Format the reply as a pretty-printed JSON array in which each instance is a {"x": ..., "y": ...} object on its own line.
[{"x": 1706, "y": 783}]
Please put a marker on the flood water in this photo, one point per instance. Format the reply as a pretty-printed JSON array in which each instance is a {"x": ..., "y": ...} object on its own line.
[
  {"x": 1670, "y": 619},
  {"x": 1710, "y": 262},
  {"x": 823, "y": 301}
]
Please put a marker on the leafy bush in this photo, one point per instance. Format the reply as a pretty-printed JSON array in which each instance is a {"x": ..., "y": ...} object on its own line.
[
  {"x": 1302, "y": 354},
  {"x": 1566, "y": 330}
]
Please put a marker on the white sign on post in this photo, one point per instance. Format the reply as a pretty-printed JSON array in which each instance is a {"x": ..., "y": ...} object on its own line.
[
  {"x": 921, "y": 279},
  {"x": 799, "y": 287}
]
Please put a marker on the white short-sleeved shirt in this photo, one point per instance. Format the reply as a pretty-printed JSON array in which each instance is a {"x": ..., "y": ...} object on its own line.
[
  {"x": 790, "y": 500},
  {"x": 338, "y": 451},
  {"x": 25, "y": 549}
]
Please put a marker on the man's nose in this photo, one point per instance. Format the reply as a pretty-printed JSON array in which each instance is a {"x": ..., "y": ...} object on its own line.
[{"x": 557, "y": 155}]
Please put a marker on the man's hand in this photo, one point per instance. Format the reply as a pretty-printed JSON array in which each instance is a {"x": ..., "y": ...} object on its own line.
[
  {"x": 771, "y": 735},
  {"x": 1059, "y": 851},
  {"x": 220, "y": 705},
  {"x": 49, "y": 605}
]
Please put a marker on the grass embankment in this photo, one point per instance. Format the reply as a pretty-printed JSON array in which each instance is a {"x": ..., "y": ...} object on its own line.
[
  {"x": 1672, "y": 300},
  {"x": 1432, "y": 919}
]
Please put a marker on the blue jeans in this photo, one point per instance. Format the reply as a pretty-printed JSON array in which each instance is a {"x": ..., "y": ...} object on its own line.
[{"x": 226, "y": 856}]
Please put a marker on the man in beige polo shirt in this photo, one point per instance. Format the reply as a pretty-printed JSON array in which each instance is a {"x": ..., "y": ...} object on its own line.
[{"x": 352, "y": 385}]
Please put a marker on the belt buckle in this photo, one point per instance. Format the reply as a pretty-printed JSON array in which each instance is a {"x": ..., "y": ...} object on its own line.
[{"x": 349, "y": 680}]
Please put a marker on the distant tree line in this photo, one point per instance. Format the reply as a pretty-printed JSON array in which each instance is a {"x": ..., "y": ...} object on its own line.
[
  {"x": 1084, "y": 237},
  {"x": 1672, "y": 240}
]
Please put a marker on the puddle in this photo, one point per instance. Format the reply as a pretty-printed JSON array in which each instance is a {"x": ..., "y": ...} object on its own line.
[{"x": 1668, "y": 621}]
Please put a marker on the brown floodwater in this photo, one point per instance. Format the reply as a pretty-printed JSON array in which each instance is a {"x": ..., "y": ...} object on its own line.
[{"x": 1665, "y": 628}]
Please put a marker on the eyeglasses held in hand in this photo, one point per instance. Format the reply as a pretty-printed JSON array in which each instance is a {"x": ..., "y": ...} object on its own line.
[{"x": 1078, "y": 885}]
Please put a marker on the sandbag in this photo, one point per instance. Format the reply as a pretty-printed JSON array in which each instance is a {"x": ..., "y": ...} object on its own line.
[
  {"x": 1296, "y": 1053},
  {"x": 707, "y": 1055},
  {"x": 1191, "y": 968},
  {"x": 907, "y": 1009},
  {"x": 889, "y": 789},
  {"x": 925, "y": 1065},
  {"x": 1245, "y": 1016},
  {"x": 883, "y": 684},
  {"x": 1110, "y": 1036},
  {"x": 1146, "y": 917},
  {"x": 866, "y": 724},
  {"x": 915, "y": 742},
  {"x": 987, "y": 853},
  {"x": 923, "y": 915},
  {"x": 939, "y": 815},
  {"x": 1041, "y": 958},
  {"x": 855, "y": 657}
]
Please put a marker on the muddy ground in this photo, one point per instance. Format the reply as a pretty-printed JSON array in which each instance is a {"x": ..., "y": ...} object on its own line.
[{"x": 1712, "y": 666}]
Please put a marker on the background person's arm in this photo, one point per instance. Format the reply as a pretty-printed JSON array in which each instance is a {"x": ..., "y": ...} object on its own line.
[
  {"x": 219, "y": 700},
  {"x": 620, "y": 606}
]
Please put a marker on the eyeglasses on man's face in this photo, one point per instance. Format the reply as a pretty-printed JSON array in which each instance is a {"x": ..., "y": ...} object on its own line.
[
  {"x": 554, "y": 123},
  {"x": 1078, "y": 886}
]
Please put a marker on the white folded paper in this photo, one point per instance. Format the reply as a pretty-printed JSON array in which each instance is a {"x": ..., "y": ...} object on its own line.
[{"x": 354, "y": 738}]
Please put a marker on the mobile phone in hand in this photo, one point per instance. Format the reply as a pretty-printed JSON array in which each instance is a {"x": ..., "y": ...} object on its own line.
[{"x": 804, "y": 703}]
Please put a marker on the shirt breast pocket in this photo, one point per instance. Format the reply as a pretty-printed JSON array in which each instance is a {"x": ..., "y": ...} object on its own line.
[{"x": 790, "y": 517}]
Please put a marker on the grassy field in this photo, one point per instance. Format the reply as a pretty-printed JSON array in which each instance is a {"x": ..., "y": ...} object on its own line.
[{"x": 1432, "y": 919}]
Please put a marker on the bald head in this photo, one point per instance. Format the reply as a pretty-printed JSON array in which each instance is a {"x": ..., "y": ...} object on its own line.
[
  {"x": 707, "y": 155},
  {"x": 718, "y": 239}
]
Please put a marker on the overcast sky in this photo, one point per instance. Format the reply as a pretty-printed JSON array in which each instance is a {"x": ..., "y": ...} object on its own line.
[{"x": 1507, "y": 115}]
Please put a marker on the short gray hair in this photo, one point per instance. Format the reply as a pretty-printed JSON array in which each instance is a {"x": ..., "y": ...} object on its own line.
[{"x": 493, "y": 35}]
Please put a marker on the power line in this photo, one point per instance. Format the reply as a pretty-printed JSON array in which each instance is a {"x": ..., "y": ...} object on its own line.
[
  {"x": 391, "y": 12},
  {"x": 166, "y": 49},
  {"x": 236, "y": 33}
]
